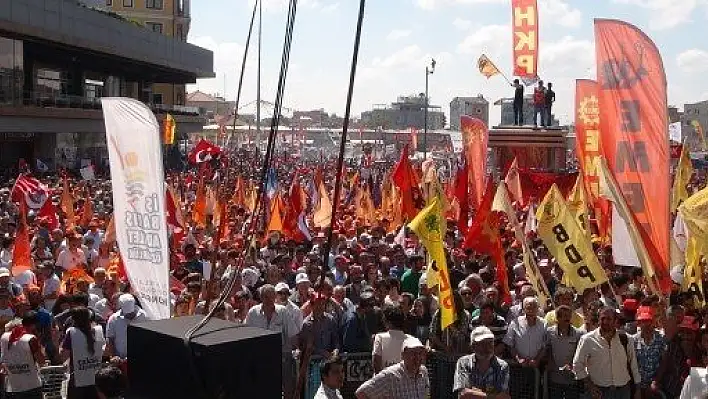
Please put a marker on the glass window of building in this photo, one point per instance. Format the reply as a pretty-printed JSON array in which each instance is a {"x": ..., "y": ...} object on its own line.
[
  {"x": 109, "y": 3},
  {"x": 154, "y": 26},
  {"x": 127, "y": 3},
  {"x": 51, "y": 82},
  {"x": 11, "y": 71},
  {"x": 156, "y": 4}
]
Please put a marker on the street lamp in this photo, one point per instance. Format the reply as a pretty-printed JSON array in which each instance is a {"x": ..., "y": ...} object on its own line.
[{"x": 428, "y": 71}]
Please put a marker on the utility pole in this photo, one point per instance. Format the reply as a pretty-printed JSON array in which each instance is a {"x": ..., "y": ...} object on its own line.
[{"x": 428, "y": 71}]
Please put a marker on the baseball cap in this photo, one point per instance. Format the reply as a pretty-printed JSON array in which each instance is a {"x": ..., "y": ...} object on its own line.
[
  {"x": 689, "y": 323},
  {"x": 127, "y": 303},
  {"x": 301, "y": 278},
  {"x": 481, "y": 333},
  {"x": 412, "y": 343},
  {"x": 281, "y": 287},
  {"x": 4, "y": 272},
  {"x": 645, "y": 313},
  {"x": 630, "y": 304}
]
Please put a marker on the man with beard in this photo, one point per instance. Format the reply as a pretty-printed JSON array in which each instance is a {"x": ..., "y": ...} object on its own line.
[{"x": 482, "y": 374}]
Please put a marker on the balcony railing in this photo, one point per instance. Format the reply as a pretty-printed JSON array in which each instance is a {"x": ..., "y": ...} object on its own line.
[{"x": 45, "y": 100}]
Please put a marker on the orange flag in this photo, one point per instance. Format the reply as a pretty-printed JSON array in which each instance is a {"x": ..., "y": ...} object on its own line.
[
  {"x": 276, "y": 214},
  {"x": 633, "y": 126},
  {"x": 483, "y": 236},
  {"x": 110, "y": 237},
  {"x": 200, "y": 204},
  {"x": 86, "y": 213},
  {"x": 513, "y": 182},
  {"x": 21, "y": 254},
  {"x": 67, "y": 205},
  {"x": 239, "y": 197},
  {"x": 475, "y": 137}
]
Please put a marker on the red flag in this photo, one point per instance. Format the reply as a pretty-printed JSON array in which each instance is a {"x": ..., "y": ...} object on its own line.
[
  {"x": 513, "y": 183},
  {"x": 204, "y": 151},
  {"x": 633, "y": 125},
  {"x": 21, "y": 253},
  {"x": 292, "y": 226},
  {"x": 406, "y": 180},
  {"x": 475, "y": 138},
  {"x": 29, "y": 191},
  {"x": 462, "y": 195},
  {"x": 174, "y": 218},
  {"x": 483, "y": 236},
  {"x": 525, "y": 30},
  {"x": 49, "y": 213}
]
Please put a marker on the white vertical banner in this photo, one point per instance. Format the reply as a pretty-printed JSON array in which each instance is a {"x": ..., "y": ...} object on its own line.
[
  {"x": 623, "y": 251},
  {"x": 135, "y": 154}
]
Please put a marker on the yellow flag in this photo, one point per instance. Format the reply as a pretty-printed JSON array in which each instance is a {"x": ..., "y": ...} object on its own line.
[
  {"x": 168, "y": 130},
  {"x": 578, "y": 205},
  {"x": 426, "y": 225},
  {"x": 502, "y": 203},
  {"x": 684, "y": 170},
  {"x": 568, "y": 243},
  {"x": 695, "y": 214},
  {"x": 692, "y": 274},
  {"x": 609, "y": 189},
  {"x": 699, "y": 132},
  {"x": 487, "y": 67}
]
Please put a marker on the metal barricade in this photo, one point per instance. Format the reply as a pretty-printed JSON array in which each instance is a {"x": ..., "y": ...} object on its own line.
[
  {"x": 54, "y": 381},
  {"x": 441, "y": 372},
  {"x": 524, "y": 382},
  {"x": 358, "y": 367}
]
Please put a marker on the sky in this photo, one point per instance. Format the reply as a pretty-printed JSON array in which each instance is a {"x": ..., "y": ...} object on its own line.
[{"x": 400, "y": 37}]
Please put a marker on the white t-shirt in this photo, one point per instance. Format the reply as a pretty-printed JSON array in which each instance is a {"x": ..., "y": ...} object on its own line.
[
  {"x": 117, "y": 330},
  {"x": 69, "y": 260},
  {"x": 51, "y": 286},
  {"x": 389, "y": 346},
  {"x": 25, "y": 278}
]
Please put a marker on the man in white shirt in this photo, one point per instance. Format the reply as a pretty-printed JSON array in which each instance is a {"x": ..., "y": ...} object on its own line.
[
  {"x": 606, "y": 361},
  {"x": 388, "y": 345},
  {"x": 117, "y": 326},
  {"x": 526, "y": 335},
  {"x": 51, "y": 285},
  {"x": 332, "y": 375},
  {"x": 73, "y": 255},
  {"x": 273, "y": 317},
  {"x": 282, "y": 291},
  {"x": 405, "y": 380}
]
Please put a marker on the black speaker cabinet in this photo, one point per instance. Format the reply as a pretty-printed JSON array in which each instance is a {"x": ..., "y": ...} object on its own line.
[{"x": 232, "y": 361}]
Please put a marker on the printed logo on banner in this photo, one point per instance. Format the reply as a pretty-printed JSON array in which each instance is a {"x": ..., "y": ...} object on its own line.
[
  {"x": 359, "y": 370},
  {"x": 624, "y": 74}
]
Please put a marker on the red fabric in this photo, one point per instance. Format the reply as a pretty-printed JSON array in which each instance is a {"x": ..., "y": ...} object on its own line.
[
  {"x": 204, "y": 151},
  {"x": 461, "y": 194},
  {"x": 483, "y": 236},
  {"x": 21, "y": 253},
  {"x": 405, "y": 179},
  {"x": 535, "y": 185},
  {"x": 17, "y": 333}
]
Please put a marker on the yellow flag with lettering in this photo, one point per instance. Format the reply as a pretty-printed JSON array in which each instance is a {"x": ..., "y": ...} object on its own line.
[
  {"x": 560, "y": 231},
  {"x": 427, "y": 226},
  {"x": 578, "y": 205},
  {"x": 692, "y": 274},
  {"x": 695, "y": 214}
]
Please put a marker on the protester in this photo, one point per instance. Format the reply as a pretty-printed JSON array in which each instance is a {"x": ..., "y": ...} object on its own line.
[
  {"x": 482, "y": 373},
  {"x": 21, "y": 358},
  {"x": 332, "y": 374}
]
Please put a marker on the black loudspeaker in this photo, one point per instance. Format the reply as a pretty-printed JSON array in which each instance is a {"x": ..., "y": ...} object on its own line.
[{"x": 232, "y": 361}]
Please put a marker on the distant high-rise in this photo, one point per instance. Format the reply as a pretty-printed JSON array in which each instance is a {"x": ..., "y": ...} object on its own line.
[
  {"x": 694, "y": 112},
  {"x": 166, "y": 17},
  {"x": 476, "y": 107},
  {"x": 407, "y": 112}
]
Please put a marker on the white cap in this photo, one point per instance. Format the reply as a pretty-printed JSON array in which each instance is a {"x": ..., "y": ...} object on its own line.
[
  {"x": 249, "y": 277},
  {"x": 301, "y": 278},
  {"x": 481, "y": 333},
  {"x": 4, "y": 272},
  {"x": 281, "y": 287},
  {"x": 412, "y": 343},
  {"x": 126, "y": 303}
]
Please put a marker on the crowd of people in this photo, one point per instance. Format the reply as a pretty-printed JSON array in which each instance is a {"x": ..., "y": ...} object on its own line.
[{"x": 369, "y": 295}]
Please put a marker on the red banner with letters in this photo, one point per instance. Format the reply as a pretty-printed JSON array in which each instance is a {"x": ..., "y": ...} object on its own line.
[
  {"x": 633, "y": 126},
  {"x": 475, "y": 138},
  {"x": 524, "y": 24},
  {"x": 587, "y": 147}
]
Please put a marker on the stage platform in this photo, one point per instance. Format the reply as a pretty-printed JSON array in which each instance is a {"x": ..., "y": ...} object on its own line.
[{"x": 542, "y": 148}]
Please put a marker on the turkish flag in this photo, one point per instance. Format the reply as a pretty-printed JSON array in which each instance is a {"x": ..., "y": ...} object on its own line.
[
  {"x": 204, "y": 151},
  {"x": 406, "y": 180}
]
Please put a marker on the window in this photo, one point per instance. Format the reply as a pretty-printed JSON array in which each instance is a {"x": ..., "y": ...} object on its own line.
[
  {"x": 154, "y": 26},
  {"x": 127, "y": 3},
  {"x": 156, "y": 4},
  {"x": 109, "y": 3},
  {"x": 157, "y": 98},
  {"x": 51, "y": 82}
]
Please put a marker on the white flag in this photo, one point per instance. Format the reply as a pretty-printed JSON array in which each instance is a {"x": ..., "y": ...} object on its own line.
[
  {"x": 134, "y": 149},
  {"x": 87, "y": 173},
  {"x": 675, "y": 133}
]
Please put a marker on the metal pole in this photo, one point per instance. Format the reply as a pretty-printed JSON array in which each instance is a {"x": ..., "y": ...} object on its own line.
[
  {"x": 425, "y": 113},
  {"x": 258, "y": 79}
]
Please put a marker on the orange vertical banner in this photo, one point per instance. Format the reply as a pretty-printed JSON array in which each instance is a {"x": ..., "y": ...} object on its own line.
[
  {"x": 524, "y": 23},
  {"x": 588, "y": 148},
  {"x": 633, "y": 126},
  {"x": 475, "y": 138}
]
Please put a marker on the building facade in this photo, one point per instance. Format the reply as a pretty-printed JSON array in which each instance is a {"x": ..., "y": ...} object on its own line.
[
  {"x": 476, "y": 107},
  {"x": 407, "y": 112},
  {"x": 58, "y": 58},
  {"x": 210, "y": 106},
  {"x": 694, "y": 112},
  {"x": 166, "y": 17}
]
